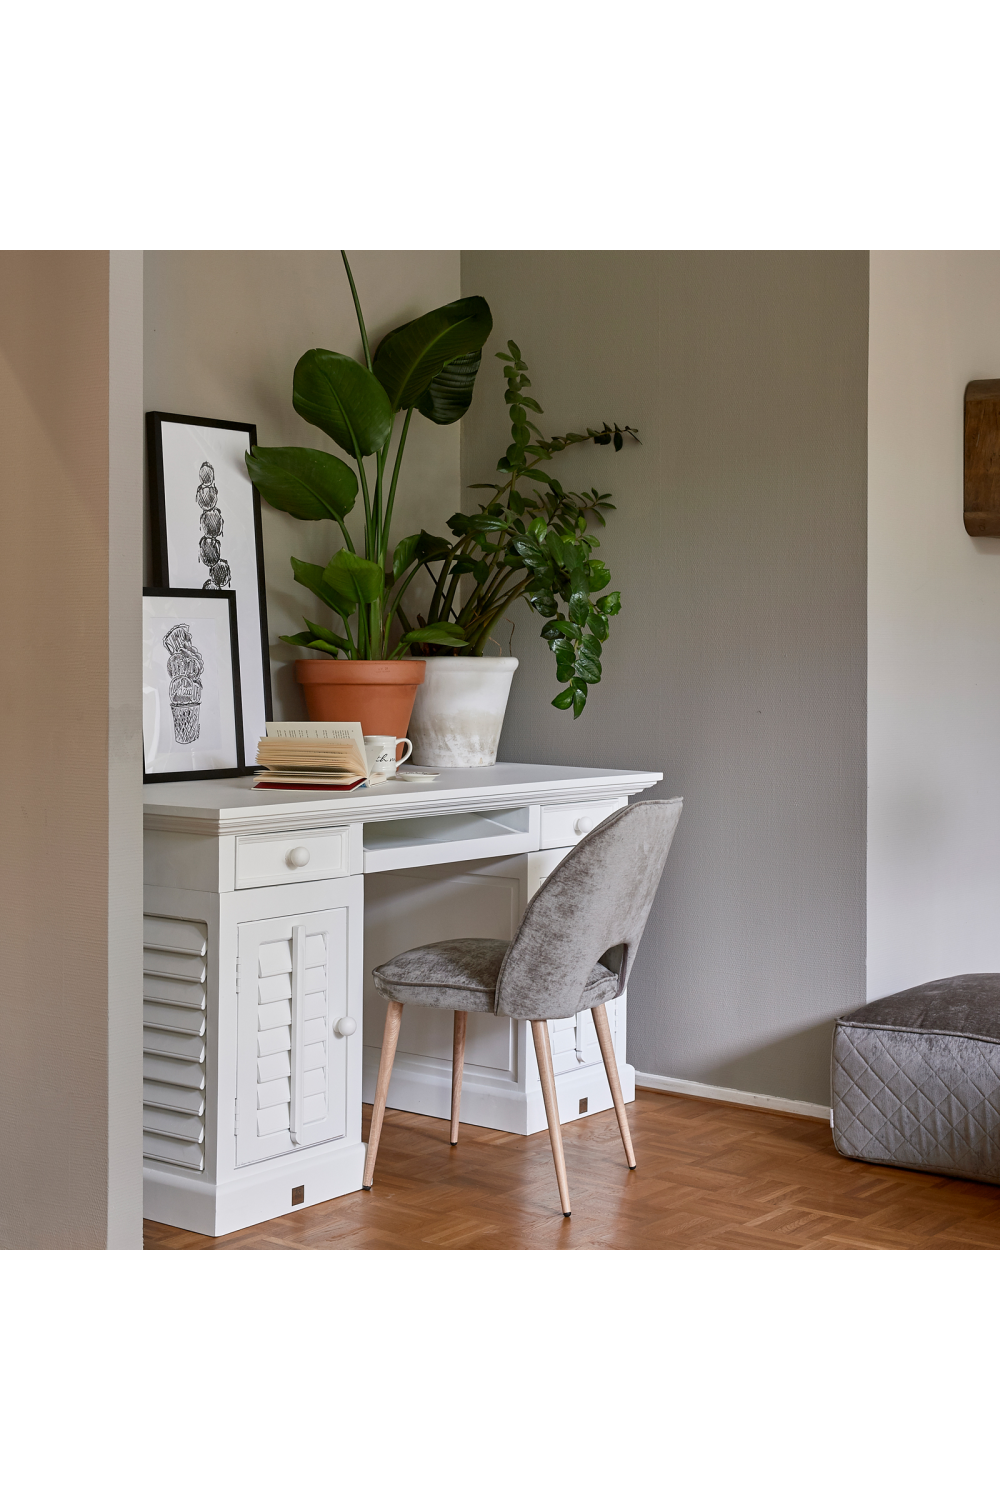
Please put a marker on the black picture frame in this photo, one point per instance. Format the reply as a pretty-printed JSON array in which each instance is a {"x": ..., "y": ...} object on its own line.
[
  {"x": 239, "y": 767},
  {"x": 189, "y": 569}
]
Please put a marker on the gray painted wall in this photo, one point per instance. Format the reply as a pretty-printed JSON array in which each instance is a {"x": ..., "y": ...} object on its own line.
[{"x": 737, "y": 666}]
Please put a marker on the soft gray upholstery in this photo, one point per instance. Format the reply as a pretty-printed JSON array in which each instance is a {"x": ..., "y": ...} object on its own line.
[
  {"x": 462, "y": 975},
  {"x": 916, "y": 1079},
  {"x": 597, "y": 901}
]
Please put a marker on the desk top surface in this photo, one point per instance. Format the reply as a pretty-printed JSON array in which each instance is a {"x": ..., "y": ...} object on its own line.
[{"x": 232, "y": 806}]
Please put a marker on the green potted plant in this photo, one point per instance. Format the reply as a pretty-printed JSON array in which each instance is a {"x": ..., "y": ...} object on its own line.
[
  {"x": 428, "y": 365},
  {"x": 531, "y": 539}
]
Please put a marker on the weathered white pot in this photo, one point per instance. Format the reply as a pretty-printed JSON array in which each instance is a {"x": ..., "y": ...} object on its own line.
[{"x": 458, "y": 711}]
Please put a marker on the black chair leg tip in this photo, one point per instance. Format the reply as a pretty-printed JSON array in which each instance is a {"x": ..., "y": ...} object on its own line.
[
  {"x": 632, "y": 1169},
  {"x": 366, "y": 1187},
  {"x": 569, "y": 1215}
]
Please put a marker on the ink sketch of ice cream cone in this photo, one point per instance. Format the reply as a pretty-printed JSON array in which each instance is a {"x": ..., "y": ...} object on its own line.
[{"x": 185, "y": 665}]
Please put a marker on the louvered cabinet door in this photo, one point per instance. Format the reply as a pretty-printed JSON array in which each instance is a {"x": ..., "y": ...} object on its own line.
[
  {"x": 292, "y": 1065},
  {"x": 174, "y": 1001}
]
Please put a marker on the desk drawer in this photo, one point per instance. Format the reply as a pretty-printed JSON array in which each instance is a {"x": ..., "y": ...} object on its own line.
[
  {"x": 566, "y": 825},
  {"x": 285, "y": 858}
]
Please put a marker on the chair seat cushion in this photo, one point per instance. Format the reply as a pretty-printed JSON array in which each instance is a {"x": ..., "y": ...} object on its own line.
[
  {"x": 916, "y": 1079},
  {"x": 461, "y": 974}
]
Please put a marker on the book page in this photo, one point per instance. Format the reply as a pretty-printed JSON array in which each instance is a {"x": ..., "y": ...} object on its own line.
[{"x": 343, "y": 736}]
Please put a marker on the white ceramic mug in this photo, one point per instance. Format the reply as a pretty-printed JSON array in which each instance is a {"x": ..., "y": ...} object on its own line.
[{"x": 380, "y": 752}]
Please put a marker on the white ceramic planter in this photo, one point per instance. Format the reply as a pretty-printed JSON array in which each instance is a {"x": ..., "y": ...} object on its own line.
[{"x": 459, "y": 708}]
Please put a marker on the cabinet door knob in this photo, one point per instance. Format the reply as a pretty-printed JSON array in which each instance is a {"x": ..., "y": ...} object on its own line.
[
  {"x": 346, "y": 1026},
  {"x": 584, "y": 825},
  {"x": 297, "y": 857}
]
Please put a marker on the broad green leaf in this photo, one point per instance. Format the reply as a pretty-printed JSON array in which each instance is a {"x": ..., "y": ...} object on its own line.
[
  {"x": 579, "y": 697},
  {"x": 611, "y": 603},
  {"x": 435, "y": 635},
  {"x": 342, "y": 399},
  {"x": 563, "y": 699},
  {"x": 354, "y": 577},
  {"x": 310, "y": 575},
  {"x": 449, "y": 395},
  {"x": 409, "y": 358},
  {"x": 305, "y": 482},
  {"x": 589, "y": 646},
  {"x": 600, "y": 575},
  {"x": 420, "y": 547},
  {"x": 330, "y": 636},
  {"x": 305, "y": 638},
  {"x": 318, "y": 645}
]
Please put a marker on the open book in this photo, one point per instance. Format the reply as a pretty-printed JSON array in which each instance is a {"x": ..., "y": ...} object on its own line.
[{"x": 312, "y": 755}]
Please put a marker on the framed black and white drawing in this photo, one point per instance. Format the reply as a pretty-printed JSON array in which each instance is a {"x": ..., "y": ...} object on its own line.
[
  {"x": 206, "y": 534},
  {"x": 192, "y": 722}
]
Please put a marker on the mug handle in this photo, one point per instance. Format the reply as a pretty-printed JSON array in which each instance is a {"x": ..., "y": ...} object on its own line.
[{"x": 409, "y": 752}]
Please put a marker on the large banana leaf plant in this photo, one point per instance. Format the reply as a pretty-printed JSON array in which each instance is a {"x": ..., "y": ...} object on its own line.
[
  {"x": 428, "y": 365},
  {"x": 532, "y": 538}
]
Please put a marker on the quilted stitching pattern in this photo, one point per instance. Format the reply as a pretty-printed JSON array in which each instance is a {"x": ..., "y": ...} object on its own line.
[{"x": 918, "y": 1099}]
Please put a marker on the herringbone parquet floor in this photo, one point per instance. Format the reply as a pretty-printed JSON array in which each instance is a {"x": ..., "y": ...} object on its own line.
[{"x": 710, "y": 1177}]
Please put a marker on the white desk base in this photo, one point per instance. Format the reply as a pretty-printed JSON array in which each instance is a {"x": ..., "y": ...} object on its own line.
[{"x": 256, "y": 966}]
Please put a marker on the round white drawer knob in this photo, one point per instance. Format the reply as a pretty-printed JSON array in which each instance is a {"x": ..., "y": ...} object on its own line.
[
  {"x": 584, "y": 825},
  {"x": 346, "y": 1026},
  {"x": 297, "y": 858}
]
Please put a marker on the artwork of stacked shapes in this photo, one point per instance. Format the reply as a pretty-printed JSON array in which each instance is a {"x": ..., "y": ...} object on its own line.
[
  {"x": 185, "y": 665},
  {"x": 207, "y": 496}
]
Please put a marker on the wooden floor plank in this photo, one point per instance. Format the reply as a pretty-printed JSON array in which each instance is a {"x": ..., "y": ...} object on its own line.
[{"x": 711, "y": 1176}]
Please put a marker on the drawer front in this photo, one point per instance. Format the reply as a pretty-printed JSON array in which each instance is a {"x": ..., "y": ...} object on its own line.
[
  {"x": 566, "y": 825},
  {"x": 286, "y": 858}
]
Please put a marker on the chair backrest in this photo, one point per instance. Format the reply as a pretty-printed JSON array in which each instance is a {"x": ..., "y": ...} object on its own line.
[{"x": 598, "y": 898}]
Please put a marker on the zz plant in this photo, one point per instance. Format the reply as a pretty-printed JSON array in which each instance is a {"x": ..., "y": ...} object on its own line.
[
  {"x": 428, "y": 365},
  {"x": 531, "y": 539}
]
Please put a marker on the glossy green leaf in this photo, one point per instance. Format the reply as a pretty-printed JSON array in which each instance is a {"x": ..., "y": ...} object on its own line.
[
  {"x": 563, "y": 699},
  {"x": 579, "y": 697},
  {"x": 600, "y": 575},
  {"x": 410, "y": 357},
  {"x": 449, "y": 395},
  {"x": 342, "y": 399},
  {"x": 311, "y": 577},
  {"x": 599, "y": 624},
  {"x": 354, "y": 577},
  {"x": 305, "y": 482},
  {"x": 611, "y": 603},
  {"x": 588, "y": 668}
]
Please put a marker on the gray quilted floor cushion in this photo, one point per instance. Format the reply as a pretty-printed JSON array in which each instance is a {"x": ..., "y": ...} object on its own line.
[{"x": 916, "y": 1079}]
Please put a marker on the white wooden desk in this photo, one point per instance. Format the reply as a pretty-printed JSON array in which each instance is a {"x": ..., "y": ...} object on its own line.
[{"x": 265, "y": 913}]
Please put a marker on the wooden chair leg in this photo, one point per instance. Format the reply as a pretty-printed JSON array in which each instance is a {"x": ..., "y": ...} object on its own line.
[
  {"x": 543, "y": 1052},
  {"x": 390, "y": 1037},
  {"x": 603, "y": 1030},
  {"x": 457, "y": 1063}
]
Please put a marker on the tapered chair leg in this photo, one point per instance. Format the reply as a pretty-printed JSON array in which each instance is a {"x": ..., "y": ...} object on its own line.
[
  {"x": 543, "y": 1052},
  {"x": 457, "y": 1063},
  {"x": 603, "y": 1030},
  {"x": 390, "y": 1037}
]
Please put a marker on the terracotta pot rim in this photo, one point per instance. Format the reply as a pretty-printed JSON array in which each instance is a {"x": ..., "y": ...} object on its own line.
[
  {"x": 374, "y": 673},
  {"x": 473, "y": 663}
]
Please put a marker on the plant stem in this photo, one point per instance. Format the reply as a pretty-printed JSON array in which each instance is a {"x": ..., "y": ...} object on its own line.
[
  {"x": 395, "y": 475},
  {"x": 357, "y": 309}
]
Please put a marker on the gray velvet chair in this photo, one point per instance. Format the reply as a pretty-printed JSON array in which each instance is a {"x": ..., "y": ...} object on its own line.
[{"x": 573, "y": 951}]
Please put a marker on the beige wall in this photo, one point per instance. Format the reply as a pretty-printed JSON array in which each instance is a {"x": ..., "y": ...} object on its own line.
[
  {"x": 737, "y": 666},
  {"x": 223, "y": 331},
  {"x": 934, "y": 627},
  {"x": 54, "y": 798}
]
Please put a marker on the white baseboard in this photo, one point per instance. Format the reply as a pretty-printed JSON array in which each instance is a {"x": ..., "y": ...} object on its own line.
[{"x": 731, "y": 1096}]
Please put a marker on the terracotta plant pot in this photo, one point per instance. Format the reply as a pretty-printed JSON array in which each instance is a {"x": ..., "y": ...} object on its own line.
[{"x": 378, "y": 694}]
